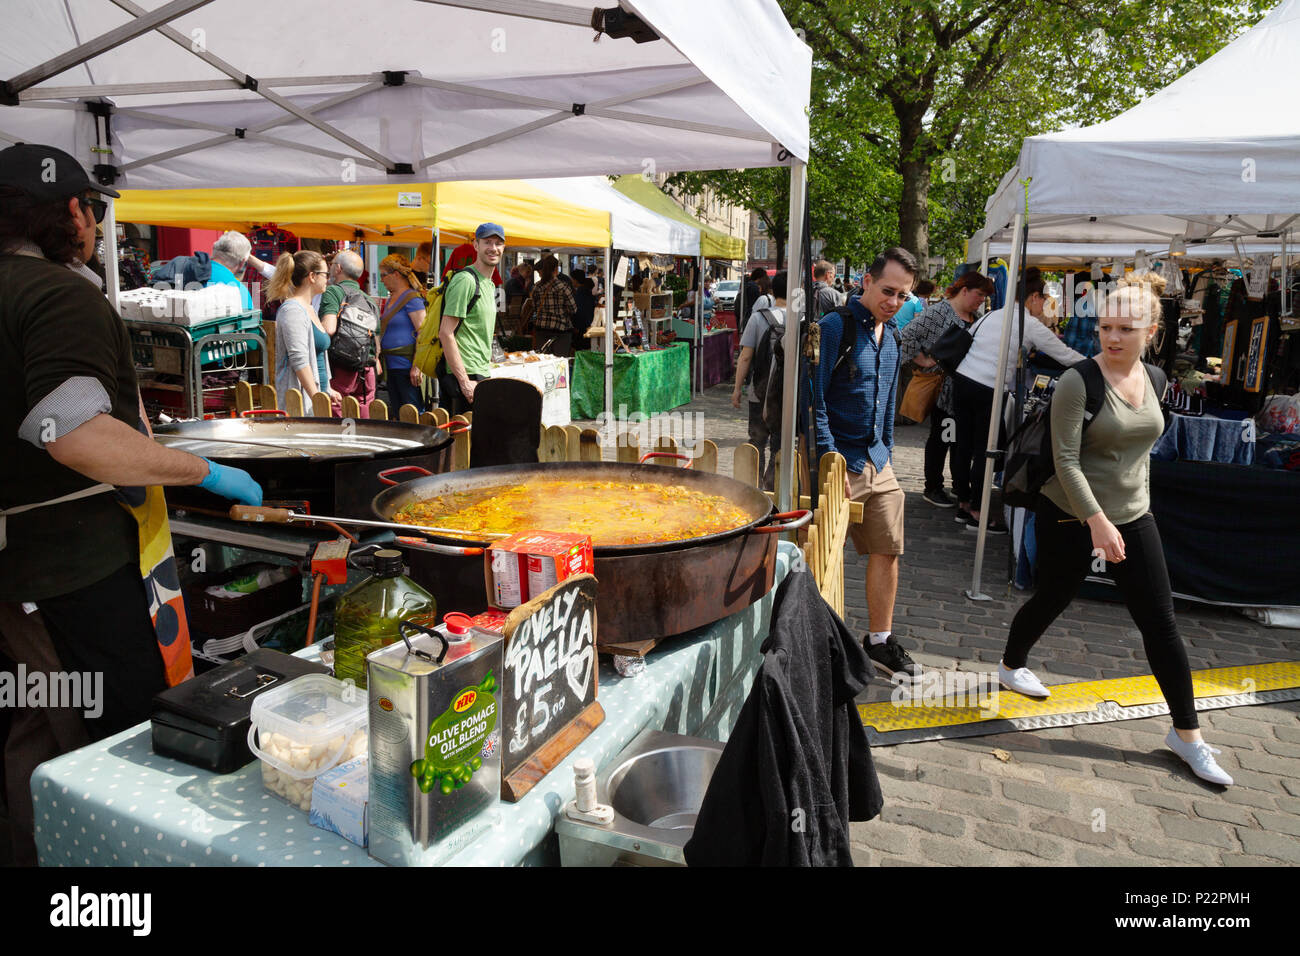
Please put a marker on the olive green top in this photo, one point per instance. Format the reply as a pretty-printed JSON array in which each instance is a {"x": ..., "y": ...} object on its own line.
[{"x": 1109, "y": 470}]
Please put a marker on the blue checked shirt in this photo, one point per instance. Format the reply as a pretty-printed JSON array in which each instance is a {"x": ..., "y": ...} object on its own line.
[
  {"x": 1080, "y": 334},
  {"x": 856, "y": 417}
]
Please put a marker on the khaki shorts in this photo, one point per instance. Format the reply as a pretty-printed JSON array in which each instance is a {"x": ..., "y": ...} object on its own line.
[{"x": 881, "y": 530}]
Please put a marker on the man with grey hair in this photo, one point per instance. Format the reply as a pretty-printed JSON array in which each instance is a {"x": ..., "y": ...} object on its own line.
[
  {"x": 229, "y": 255},
  {"x": 343, "y": 296}
]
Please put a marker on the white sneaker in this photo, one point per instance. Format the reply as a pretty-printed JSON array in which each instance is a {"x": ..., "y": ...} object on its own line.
[
  {"x": 1200, "y": 757},
  {"x": 1022, "y": 681}
]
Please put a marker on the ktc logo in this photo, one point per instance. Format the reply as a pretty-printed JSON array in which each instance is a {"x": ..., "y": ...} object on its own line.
[{"x": 464, "y": 701}]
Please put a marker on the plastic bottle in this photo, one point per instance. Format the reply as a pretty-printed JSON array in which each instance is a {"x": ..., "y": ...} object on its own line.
[
  {"x": 251, "y": 583},
  {"x": 366, "y": 617}
]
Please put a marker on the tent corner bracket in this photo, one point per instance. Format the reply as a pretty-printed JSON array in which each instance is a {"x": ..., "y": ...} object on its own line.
[
  {"x": 395, "y": 77},
  {"x": 579, "y": 109}
]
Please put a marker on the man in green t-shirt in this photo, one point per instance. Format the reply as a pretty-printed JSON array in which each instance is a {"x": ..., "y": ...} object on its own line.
[
  {"x": 345, "y": 275},
  {"x": 465, "y": 333}
]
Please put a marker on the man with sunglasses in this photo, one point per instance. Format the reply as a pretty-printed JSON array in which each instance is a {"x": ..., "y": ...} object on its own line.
[
  {"x": 854, "y": 401},
  {"x": 76, "y": 455}
]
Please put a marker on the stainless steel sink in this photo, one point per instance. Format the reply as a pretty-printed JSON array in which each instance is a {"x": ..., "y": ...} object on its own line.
[{"x": 656, "y": 786}]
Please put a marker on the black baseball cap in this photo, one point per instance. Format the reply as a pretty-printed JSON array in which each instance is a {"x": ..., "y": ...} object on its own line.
[{"x": 46, "y": 173}]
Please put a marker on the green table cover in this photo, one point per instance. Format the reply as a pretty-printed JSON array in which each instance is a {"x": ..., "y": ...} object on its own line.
[{"x": 645, "y": 382}]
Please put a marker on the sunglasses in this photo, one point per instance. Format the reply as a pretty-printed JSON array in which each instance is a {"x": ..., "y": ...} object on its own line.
[{"x": 97, "y": 206}]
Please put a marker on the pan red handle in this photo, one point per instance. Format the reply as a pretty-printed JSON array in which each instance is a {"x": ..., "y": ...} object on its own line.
[
  {"x": 790, "y": 521},
  {"x": 666, "y": 454},
  {"x": 252, "y": 412},
  {"x": 384, "y": 479},
  {"x": 457, "y": 428},
  {"x": 438, "y": 548}
]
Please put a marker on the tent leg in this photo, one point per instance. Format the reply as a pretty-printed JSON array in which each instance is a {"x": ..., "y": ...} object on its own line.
[
  {"x": 984, "y": 257},
  {"x": 995, "y": 420},
  {"x": 372, "y": 267},
  {"x": 435, "y": 264},
  {"x": 609, "y": 336},
  {"x": 699, "y": 324},
  {"x": 112, "y": 280},
  {"x": 795, "y": 303}
]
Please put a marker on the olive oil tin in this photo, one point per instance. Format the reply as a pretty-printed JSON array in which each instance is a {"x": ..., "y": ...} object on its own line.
[{"x": 435, "y": 744}]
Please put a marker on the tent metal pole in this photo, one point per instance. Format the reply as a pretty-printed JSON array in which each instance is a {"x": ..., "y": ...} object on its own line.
[
  {"x": 795, "y": 303},
  {"x": 984, "y": 256},
  {"x": 995, "y": 419},
  {"x": 372, "y": 266},
  {"x": 699, "y": 323},
  {"x": 112, "y": 281},
  {"x": 102, "y": 44},
  {"x": 609, "y": 334},
  {"x": 435, "y": 264},
  {"x": 1286, "y": 292}
]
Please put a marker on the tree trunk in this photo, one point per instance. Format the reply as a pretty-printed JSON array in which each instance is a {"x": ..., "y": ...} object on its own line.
[
  {"x": 914, "y": 212},
  {"x": 780, "y": 249}
]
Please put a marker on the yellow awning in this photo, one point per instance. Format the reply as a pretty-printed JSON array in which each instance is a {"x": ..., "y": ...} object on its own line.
[
  {"x": 379, "y": 213},
  {"x": 386, "y": 214},
  {"x": 714, "y": 243}
]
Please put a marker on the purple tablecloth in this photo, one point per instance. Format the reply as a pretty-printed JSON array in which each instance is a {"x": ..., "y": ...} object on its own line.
[{"x": 719, "y": 359}]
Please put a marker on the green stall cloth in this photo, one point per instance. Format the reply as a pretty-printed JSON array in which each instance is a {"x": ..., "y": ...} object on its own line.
[{"x": 646, "y": 382}]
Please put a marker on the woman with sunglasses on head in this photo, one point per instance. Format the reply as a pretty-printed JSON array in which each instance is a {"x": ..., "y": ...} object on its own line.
[
  {"x": 404, "y": 313},
  {"x": 1098, "y": 505},
  {"x": 298, "y": 278}
]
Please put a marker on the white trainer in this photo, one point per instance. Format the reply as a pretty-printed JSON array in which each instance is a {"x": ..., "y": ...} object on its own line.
[
  {"x": 1200, "y": 757},
  {"x": 1022, "y": 681}
]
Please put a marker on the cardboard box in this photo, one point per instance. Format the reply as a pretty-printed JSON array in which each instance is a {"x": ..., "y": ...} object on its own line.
[
  {"x": 530, "y": 562},
  {"x": 340, "y": 800}
]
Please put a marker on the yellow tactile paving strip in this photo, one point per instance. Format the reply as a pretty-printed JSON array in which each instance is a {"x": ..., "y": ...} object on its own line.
[{"x": 941, "y": 704}]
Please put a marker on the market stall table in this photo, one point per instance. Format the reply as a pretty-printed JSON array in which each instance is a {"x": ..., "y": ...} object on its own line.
[
  {"x": 116, "y": 803},
  {"x": 646, "y": 382},
  {"x": 719, "y": 358},
  {"x": 1221, "y": 437},
  {"x": 551, "y": 376}
]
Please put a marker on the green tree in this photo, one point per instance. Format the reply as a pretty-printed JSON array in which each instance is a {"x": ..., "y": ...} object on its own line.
[{"x": 918, "y": 109}]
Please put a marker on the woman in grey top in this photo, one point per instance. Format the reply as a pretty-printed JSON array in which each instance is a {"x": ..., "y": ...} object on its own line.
[
  {"x": 1097, "y": 506},
  {"x": 297, "y": 279},
  {"x": 964, "y": 297}
]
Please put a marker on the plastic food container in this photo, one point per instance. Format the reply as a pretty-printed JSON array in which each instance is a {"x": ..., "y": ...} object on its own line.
[{"x": 301, "y": 730}]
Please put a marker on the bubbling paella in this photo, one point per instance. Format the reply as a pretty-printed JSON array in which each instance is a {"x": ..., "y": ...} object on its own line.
[{"x": 613, "y": 513}]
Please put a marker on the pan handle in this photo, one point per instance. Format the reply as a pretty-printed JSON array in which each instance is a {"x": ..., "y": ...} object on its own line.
[
  {"x": 384, "y": 479},
  {"x": 252, "y": 412},
  {"x": 791, "y": 520},
  {"x": 666, "y": 454},
  {"x": 456, "y": 428},
  {"x": 404, "y": 626},
  {"x": 260, "y": 514},
  {"x": 438, "y": 548}
]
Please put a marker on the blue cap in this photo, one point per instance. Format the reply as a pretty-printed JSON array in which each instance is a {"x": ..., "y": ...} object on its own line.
[{"x": 489, "y": 229}]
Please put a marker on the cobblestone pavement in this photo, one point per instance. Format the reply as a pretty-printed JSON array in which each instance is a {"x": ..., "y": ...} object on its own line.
[{"x": 1096, "y": 794}]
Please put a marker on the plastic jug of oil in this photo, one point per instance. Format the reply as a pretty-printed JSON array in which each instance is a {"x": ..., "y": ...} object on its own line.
[{"x": 367, "y": 617}]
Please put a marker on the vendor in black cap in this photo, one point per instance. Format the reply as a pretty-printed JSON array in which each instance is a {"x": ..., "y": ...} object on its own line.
[{"x": 82, "y": 521}]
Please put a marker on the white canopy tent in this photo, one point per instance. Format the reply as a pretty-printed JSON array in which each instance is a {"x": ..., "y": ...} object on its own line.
[
  {"x": 175, "y": 95},
  {"x": 631, "y": 225},
  {"x": 1214, "y": 155}
]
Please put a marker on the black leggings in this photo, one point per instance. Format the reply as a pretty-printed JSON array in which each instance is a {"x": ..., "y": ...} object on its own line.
[
  {"x": 1064, "y": 559},
  {"x": 936, "y": 449},
  {"x": 972, "y": 403}
]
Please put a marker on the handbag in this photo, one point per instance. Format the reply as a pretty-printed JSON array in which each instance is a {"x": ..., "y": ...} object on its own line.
[
  {"x": 921, "y": 396},
  {"x": 951, "y": 347}
]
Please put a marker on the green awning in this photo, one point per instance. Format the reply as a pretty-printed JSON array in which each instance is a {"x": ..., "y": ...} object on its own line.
[{"x": 714, "y": 244}]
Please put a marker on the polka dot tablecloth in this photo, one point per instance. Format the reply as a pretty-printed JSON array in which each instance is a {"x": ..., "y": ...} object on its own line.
[{"x": 117, "y": 803}]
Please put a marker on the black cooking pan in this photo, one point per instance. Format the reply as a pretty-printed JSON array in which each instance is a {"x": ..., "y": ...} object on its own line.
[
  {"x": 646, "y": 591},
  {"x": 332, "y": 463}
]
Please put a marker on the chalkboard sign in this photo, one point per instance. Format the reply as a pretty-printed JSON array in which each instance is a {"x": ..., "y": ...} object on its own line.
[
  {"x": 548, "y": 682},
  {"x": 1257, "y": 355}
]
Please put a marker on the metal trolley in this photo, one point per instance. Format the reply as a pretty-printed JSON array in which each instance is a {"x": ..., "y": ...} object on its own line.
[{"x": 190, "y": 371}]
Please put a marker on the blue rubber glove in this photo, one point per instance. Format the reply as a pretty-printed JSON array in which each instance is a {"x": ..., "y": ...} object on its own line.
[{"x": 233, "y": 483}]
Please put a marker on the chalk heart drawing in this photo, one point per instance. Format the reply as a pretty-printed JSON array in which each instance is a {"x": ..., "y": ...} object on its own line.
[{"x": 578, "y": 671}]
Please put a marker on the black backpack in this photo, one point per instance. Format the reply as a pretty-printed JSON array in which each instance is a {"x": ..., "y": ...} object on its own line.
[
  {"x": 353, "y": 344},
  {"x": 1028, "y": 461},
  {"x": 772, "y": 407},
  {"x": 768, "y": 346}
]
